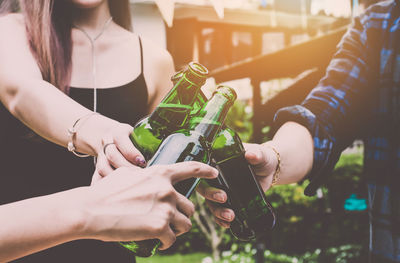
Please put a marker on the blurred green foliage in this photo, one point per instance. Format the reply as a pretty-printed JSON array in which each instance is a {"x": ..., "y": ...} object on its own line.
[
  {"x": 176, "y": 258},
  {"x": 342, "y": 254},
  {"x": 240, "y": 121},
  {"x": 309, "y": 229}
]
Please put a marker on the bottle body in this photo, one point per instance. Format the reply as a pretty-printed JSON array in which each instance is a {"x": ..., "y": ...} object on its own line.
[
  {"x": 178, "y": 147},
  {"x": 190, "y": 144},
  {"x": 172, "y": 113},
  {"x": 254, "y": 216}
]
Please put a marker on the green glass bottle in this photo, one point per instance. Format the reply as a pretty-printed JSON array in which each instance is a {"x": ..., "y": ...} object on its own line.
[
  {"x": 250, "y": 206},
  {"x": 172, "y": 113},
  {"x": 254, "y": 216},
  {"x": 191, "y": 144},
  {"x": 200, "y": 99}
]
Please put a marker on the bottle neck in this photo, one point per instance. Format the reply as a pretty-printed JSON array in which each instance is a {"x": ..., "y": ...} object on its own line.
[
  {"x": 211, "y": 117},
  {"x": 176, "y": 106}
]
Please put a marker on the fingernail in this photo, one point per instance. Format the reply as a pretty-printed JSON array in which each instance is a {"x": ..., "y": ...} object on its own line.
[
  {"x": 140, "y": 161},
  {"x": 216, "y": 173},
  {"x": 226, "y": 215},
  {"x": 219, "y": 197}
]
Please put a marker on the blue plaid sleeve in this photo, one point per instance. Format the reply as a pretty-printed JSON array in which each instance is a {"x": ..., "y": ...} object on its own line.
[{"x": 333, "y": 111}]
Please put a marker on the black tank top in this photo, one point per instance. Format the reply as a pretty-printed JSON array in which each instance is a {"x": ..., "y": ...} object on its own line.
[{"x": 34, "y": 167}]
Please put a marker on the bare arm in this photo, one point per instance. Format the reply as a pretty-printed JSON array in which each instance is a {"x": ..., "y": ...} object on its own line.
[
  {"x": 335, "y": 112},
  {"x": 158, "y": 69},
  {"x": 129, "y": 204},
  {"x": 35, "y": 224},
  {"x": 295, "y": 146},
  {"x": 44, "y": 108}
]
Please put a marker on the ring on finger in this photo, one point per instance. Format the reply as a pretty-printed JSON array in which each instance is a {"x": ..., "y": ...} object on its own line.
[{"x": 106, "y": 145}]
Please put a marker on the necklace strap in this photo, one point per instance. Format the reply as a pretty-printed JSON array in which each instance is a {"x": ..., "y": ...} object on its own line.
[
  {"x": 94, "y": 71},
  {"x": 92, "y": 40}
]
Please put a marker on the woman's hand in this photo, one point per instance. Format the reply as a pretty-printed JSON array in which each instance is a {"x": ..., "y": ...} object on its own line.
[
  {"x": 263, "y": 160},
  {"x": 129, "y": 204},
  {"x": 138, "y": 204},
  {"x": 117, "y": 150}
]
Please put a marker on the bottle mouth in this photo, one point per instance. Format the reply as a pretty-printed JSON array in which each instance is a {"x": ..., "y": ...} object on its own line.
[
  {"x": 198, "y": 69},
  {"x": 227, "y": 92},
  {"x": 177, "y": 76}
]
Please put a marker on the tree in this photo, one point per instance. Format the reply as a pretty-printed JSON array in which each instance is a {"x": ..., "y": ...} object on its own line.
[{"x": 208, "y": 227}]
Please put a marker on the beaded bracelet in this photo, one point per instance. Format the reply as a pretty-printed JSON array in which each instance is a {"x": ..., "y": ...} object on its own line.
[{"x": 72, "y": 134}]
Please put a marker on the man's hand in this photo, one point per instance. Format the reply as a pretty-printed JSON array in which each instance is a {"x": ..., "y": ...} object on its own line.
[{"x": 263, "y": 160}]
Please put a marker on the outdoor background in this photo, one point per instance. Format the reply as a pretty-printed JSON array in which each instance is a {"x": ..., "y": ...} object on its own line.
[{"x": 273, "y": 52}]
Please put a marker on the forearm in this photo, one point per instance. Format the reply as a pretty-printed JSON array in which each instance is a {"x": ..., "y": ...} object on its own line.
[
  {"x": 50, "y": 113},
  {"x": 295, "y": 146},
  {"x": 35, "y": 224}
]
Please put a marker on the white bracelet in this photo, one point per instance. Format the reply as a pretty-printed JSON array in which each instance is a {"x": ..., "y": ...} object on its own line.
[{"x": 72, "y": 134}]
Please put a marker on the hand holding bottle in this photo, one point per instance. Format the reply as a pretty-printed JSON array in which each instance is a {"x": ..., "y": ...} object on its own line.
[
  {"x": 129, "y": 204},
  {"x": 263, "y": 161},
  {"x": 108, "y": 140},
  {"x": 138, "y": 204},
  {"x": 116, "y": 150},
  {"x": 294, "y": 144}
]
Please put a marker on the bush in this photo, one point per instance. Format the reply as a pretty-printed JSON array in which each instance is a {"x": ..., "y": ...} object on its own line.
[
  {"x": 342, "y": 254},
  {"x": 308, "y": 228}
]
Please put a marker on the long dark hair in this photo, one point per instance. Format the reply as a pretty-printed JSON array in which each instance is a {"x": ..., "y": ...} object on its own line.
[{"x": 48, "y": 25}]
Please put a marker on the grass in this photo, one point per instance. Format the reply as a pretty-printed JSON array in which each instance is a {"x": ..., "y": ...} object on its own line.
[{"x": 177, "y": 258}]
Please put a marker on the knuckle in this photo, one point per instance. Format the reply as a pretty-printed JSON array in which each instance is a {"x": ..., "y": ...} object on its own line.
[
  {"x": 126, "y": 128},
  {"x": 102, "y": 170},
  {"x": 157, "y": 228},
  {"x": 196, "y": 169},
  {"x": 170, "y": 212},
  {"x": 192, "y": 165},
  {"x": 187, "y": 226},
  {"x": 100, "y": 165},
  {"x": 107, "y": 138},
  {"x": 168, "y": 192},
  {"x": 164, "y": 226},
  {"x": 111, "y": 156},
  {"x": 160, "y": 226},
  {"x": 101, "y": 173}
]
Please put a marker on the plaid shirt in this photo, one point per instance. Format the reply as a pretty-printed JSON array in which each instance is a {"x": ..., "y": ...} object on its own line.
[{"x": 359, "y": 98}]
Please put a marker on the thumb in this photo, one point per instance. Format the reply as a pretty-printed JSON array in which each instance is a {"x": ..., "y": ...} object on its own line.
[
  {"x": 262, "y": 158},
  {"x": 254, "y": 155}
]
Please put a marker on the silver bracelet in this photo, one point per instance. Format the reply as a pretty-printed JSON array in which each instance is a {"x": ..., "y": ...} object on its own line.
[{"x": 72, "y": 134}]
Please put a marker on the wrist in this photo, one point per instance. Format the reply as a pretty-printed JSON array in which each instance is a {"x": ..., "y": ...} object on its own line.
[
  {"x": 73, "y": 213},
  {"x": 274, "y": 161},
  {"x": 89, "y": 137}
]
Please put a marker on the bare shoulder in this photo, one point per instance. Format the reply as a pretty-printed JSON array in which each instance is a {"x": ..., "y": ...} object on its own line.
[
  {"x": 12, "y": 22},
  {"x": 12, "y": 30},
  {"x": 17, "y": 59},
  {"x": 155, "y": 54},
  {"x": 158, "y": 69}
]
